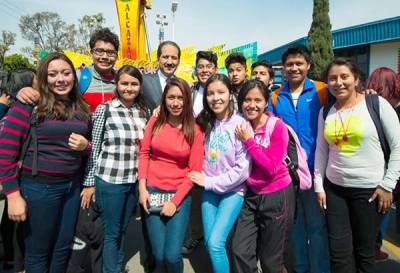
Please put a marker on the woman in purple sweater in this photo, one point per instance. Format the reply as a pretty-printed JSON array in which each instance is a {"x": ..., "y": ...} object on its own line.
[
  {"x": 266, "y": 218},
  {"x": 225, "y": 168},
  {"x": 45, "y": 191}
]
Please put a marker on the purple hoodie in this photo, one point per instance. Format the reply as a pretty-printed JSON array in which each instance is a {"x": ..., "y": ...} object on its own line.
[{"x": 226, "y": 163}]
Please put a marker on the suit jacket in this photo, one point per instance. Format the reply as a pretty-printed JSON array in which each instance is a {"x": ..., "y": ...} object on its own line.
[{"x": 151, "y": 90}]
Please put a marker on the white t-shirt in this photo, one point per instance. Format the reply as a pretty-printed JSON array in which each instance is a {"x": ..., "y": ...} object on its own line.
[
  {"x": 163, "y": 80},
  {"x": 295, "y": 98},
  {"x": 348, "y": 150}
]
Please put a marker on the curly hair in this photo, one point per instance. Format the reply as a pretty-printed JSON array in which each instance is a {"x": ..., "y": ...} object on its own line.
[{"x": 104, "y": 34}]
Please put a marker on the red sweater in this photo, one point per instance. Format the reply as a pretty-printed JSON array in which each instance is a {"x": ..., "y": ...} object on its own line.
[{"x": 172, "y": 158}]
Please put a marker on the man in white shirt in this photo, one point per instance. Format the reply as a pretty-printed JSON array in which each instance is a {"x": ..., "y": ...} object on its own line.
[{"x": 206, "y": 66}]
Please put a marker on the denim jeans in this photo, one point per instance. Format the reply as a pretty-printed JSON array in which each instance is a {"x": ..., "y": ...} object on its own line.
[
  {"x": 116, "y": 203},
  {"x": 50, "y": 225},
  {"x": 219, "y": 213},
  {"x": 166, "y": 236},
  {"x": 310, "y": 236}
]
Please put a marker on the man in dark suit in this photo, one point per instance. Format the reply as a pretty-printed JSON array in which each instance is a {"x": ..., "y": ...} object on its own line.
[{"x": 168, "y": 55}]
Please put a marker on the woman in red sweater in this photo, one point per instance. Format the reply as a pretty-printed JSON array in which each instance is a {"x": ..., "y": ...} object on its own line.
[{"x": 171, "y": 148}]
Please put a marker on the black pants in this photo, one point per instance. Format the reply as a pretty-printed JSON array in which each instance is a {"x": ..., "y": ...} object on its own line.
[
  {"x": 353, "y": 224},
  {"x": 87, "y": 247},
  {"x": 12, "y": 234},
  {"x": 263, "y": 228},
  {"x": 195, "y": 227}
]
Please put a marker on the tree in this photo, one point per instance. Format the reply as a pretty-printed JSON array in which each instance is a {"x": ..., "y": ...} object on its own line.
[
  {"x": 15, "y": 61},
  {"x": 7, "y": 39},
  {"x": 45, "y": 29},
  {"x": 78, "y": 36},
  {"x": 320, "y": 38},
  {"x": 50, "y": 33}
]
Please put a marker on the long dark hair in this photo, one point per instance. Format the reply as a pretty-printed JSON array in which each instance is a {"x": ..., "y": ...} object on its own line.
[
  {"x": 188, "y": 121},
  {"x": 139, "y": 100},
  {"x": 18, "y": 79},
  {"x": 350, "y": 64},
  {"x": 206, "y": 118},
  {"x": 49, "y": 103}
]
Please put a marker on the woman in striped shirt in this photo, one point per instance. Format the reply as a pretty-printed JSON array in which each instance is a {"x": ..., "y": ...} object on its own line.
[
  {"x": 117, "y": 131},
  {"x": 45, "y": 191}
]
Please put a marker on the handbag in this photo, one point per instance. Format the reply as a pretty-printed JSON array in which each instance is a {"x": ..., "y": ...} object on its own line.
[{"x": 157, "y": 199}]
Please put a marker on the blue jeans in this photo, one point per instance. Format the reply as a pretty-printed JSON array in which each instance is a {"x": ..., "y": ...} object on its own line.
[
  {"x": 166, "y": 235},
  {"x": 116, "y": 203},
  {"x": 219, "y": 213},
  {"x": 50, "y": 225},
  {"x": 310, "y": 236}
]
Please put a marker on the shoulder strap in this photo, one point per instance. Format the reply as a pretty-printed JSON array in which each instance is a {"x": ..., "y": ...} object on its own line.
[
  {"x": 327, "y": 108},
  {"x": 31, "y": 138},
  {"x": 321, "y": 92},
  {"x": 372, "y": 102},
  {"x": 106, "y": 114},
  {"x": 274, "y": 97},
  {"x": 270, "y": 125}
]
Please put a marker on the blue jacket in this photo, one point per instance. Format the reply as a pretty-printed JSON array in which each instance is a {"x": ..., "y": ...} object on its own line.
[{"x": 303, "y": 119}]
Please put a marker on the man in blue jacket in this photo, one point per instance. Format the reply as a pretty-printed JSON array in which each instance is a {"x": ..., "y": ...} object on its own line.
[{"x": 298, "y": 103}]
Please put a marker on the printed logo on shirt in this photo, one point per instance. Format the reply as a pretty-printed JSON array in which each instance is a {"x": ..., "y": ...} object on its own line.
[
  {"x": 264, "y": 142},
  {"x": 345, "y": 134},
  {"x": 217, "y": 144}
]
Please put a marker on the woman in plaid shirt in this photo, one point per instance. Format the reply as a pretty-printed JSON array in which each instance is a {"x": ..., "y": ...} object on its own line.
[{"x": 112, "y": 168}]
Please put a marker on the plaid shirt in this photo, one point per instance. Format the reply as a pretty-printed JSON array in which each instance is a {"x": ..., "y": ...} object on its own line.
[{"x": 116, "y": 136}]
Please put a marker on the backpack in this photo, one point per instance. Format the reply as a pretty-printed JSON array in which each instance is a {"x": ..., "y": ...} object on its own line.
[
  {"x": 372, "y": 101},
  {"x": 296, "y": 158},
  {"x": 321, "y": 92},
  {"x": 85, "y": 78}
]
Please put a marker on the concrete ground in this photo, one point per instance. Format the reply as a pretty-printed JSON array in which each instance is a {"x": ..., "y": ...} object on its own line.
[{"x": 198, "y": 262}]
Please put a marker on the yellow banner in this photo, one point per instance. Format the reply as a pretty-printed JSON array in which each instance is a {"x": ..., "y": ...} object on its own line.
[{"x": 129, "y": 25}]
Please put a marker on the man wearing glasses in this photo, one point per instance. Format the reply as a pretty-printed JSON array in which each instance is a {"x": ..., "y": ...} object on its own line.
[
  {"x": 98, "y": 85},
  {"x": 96, "y": 82}
]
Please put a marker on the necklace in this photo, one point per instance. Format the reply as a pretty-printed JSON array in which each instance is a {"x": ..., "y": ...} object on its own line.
[{"x": 343, "y": 127}]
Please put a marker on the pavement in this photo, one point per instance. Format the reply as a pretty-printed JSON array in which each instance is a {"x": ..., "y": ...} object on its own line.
[{"x": 198, "y": 261}]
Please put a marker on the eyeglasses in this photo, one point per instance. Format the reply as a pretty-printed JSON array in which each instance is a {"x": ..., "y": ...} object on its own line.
[
  {"x": 204, "y": 67},
  {"x": 101, "y": 51}
]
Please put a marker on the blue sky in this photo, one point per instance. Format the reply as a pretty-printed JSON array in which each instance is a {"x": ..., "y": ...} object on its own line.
[{"x": 205, "y": 23}]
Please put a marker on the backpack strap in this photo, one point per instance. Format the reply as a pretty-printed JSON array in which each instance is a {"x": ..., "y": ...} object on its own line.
[
  {"x": 31, "y": 138},
  {"x": 321, "y": 92},
  {"x": 274, "y": 97},
  {"x": 372, "y": 102}
]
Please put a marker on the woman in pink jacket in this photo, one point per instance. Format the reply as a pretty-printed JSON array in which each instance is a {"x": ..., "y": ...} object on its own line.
[{"x": 266, "y": 217}]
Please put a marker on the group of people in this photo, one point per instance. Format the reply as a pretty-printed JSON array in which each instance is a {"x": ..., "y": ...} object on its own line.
[{"x": 207, "y": 163}]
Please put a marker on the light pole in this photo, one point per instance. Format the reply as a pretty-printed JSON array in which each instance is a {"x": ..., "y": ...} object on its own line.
[
  {"x": 161, "y": 20},
  {"x": 174, "y": 7}
]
